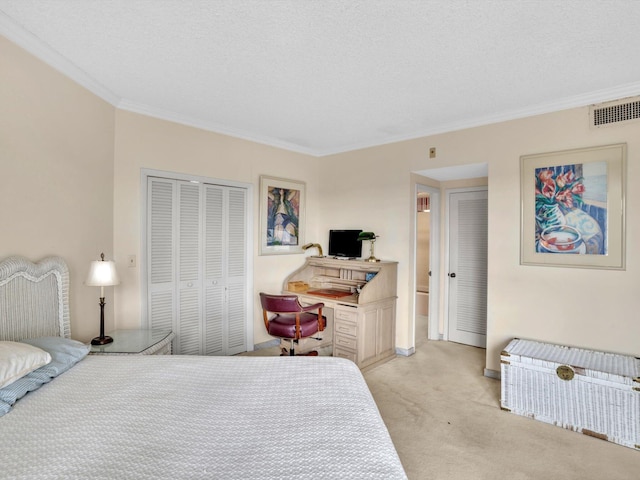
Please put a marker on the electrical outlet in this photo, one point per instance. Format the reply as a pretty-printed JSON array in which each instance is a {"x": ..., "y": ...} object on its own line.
[
  {"x": 131, "y": 260},
  {"x": 432, "y": 152}
]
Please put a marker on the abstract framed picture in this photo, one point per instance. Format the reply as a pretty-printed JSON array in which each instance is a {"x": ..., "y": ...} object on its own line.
[
  {"x": 573, "y": 208},
  {"x": 282, "y": 205}
]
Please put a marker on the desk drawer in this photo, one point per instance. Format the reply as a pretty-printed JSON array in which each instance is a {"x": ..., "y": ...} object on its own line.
[
  {"x": 341, "y": 314},
  {"x": 348, "y": 354},
  {"x": 346, "y": 328},
  {"x": 345, "y": 342}
]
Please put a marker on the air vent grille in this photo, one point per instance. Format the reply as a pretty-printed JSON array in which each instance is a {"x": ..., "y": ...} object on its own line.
[{"x": 615, "y": 112}]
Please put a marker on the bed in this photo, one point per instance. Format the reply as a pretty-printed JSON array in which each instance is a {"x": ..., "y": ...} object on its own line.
[{"x": 180, "y": 417}]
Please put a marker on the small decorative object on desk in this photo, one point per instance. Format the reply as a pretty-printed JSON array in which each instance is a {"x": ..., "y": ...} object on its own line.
[
  {"x": 371, "y": 237},
  {"x": 297, "y": 286}
]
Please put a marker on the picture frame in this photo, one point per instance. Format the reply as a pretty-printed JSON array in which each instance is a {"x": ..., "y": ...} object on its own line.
[
  {"x": 572, "y": 208},
  {"x": 282, "y": 216}
]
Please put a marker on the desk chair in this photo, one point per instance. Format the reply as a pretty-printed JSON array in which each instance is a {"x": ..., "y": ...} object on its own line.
[{"x": 291, "y": 321}]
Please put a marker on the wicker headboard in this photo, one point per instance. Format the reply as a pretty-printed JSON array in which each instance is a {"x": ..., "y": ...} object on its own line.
[{"x": 34, "y": 298}]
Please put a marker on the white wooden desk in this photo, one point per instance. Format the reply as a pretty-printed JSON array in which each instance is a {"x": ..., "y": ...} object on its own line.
[{"x": 362, "y": 297}]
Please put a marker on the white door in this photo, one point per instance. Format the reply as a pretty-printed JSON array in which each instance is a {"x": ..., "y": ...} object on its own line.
[
  {"x": 467, "y": 275},
  {"x": 188, "y": 324},
  {"x": 161, "y": 243},
  {"x": 197, "y": 277},
  {"x": 225, "y": 270}
]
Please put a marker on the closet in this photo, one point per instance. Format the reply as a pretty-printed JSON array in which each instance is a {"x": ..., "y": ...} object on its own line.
[{"x": 196, "y": 265}]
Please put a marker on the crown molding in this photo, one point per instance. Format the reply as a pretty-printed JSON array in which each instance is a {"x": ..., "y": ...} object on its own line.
[
  {"x": 605, "y": 95},
  {"x": 211, "y": 126},
  {"x": 40, "y": 49}
]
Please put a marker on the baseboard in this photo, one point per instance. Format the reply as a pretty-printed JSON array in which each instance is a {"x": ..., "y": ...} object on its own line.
[
  {"x": 405, "y": 352},
  {"x": 492, "y": 374},
  {"x": 271, "y": 343}
]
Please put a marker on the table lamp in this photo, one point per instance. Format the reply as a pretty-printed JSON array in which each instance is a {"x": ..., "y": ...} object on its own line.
[
  {"x": 371, "y": 237},
  {"x": 102, "y": 274},
  {"x": 314, "y": 245}
]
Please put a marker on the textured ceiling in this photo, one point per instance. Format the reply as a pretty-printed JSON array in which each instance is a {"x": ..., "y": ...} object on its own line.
[{"x": 322, "y": 77}]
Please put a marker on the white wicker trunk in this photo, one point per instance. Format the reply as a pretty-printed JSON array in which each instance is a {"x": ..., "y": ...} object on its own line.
[{"x": 592, "y": 392}]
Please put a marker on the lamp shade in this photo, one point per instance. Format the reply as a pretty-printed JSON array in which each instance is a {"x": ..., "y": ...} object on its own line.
[
  {"x": 367, "y": 236},
  {"x": 102, "y": 274}
]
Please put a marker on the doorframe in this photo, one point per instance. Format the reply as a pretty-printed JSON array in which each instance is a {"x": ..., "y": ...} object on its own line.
[
  {"x": 433, "y": 331},
  {"x": 447, "y": 232},
  {"x": 145, "y": 173}
]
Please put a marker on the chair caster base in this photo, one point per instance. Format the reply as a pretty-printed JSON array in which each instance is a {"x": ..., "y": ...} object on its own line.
[{"x": 285, "y": 353}]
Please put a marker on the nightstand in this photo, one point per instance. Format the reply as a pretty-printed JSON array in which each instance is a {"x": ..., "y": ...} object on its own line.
[{"x": 136, "y": 342}]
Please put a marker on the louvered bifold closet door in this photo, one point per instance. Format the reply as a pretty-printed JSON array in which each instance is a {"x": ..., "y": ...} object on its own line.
[
  {"x": 197, "y": 236},
  {"x": 161, "y": 300},
  {"x": 236, "y": 270},
  {"x": 225, "y": 270},
  {"x": 189, "y": 331},
  {"x": 214, "y": 289}
]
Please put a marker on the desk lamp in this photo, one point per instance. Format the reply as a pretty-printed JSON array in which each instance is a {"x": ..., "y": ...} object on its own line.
[
  {"x": 370, "y": 236},
  {"x": 102, "y": 274},
  {"x": 316, "y": 245}
]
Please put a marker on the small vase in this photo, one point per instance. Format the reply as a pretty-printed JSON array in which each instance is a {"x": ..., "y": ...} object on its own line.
[{"x": 549, "y": 216}]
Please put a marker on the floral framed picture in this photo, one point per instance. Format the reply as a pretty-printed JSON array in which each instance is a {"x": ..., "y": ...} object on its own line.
[
  {"x": 282, "y": 204},
  {"x": 573, "y": 208}
]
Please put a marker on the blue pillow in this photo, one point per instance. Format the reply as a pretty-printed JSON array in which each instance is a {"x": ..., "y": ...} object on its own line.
[
  {"x": 4, "y": 408},
  {"x": 65, "y": 353}
]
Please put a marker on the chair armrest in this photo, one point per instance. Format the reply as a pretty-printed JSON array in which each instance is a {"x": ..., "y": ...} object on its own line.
[{"x": 315, "y": 306}]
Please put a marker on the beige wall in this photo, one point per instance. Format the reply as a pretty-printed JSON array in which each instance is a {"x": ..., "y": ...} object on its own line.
[
  {"x": 581, "y": 307},
  {"x": 144, "y": 142},
  {"x": 72, "y": 188},
  {"x": 56, "y": 196}
]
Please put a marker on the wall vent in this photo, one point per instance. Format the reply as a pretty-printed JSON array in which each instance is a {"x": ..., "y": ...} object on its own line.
[{"x": 615, "y": 113}]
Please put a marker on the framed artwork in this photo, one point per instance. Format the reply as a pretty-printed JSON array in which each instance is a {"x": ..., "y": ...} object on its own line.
[
  {"x": 573, "y": 208},
  {"x": 281, "y": 216}
]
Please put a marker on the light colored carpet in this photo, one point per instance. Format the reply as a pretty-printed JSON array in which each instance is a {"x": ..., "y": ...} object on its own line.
[{"x": 445, "y": 420}]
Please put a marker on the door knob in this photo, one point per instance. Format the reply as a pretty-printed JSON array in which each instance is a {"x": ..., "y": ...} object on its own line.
[{"x": 452, "y": 275}]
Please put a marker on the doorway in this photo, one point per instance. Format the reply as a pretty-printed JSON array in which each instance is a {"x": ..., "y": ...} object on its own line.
[
  {"x": 438, "y": 182},
  {"x": 423, "y": 268},
  {"x": 427, "y": 260}
]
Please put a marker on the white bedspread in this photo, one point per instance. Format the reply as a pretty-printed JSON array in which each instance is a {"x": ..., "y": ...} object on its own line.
[{"x": 185, "y": 417}]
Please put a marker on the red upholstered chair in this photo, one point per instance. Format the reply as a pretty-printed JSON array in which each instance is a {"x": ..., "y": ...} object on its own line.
[{"x": 290, "y": 320}]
